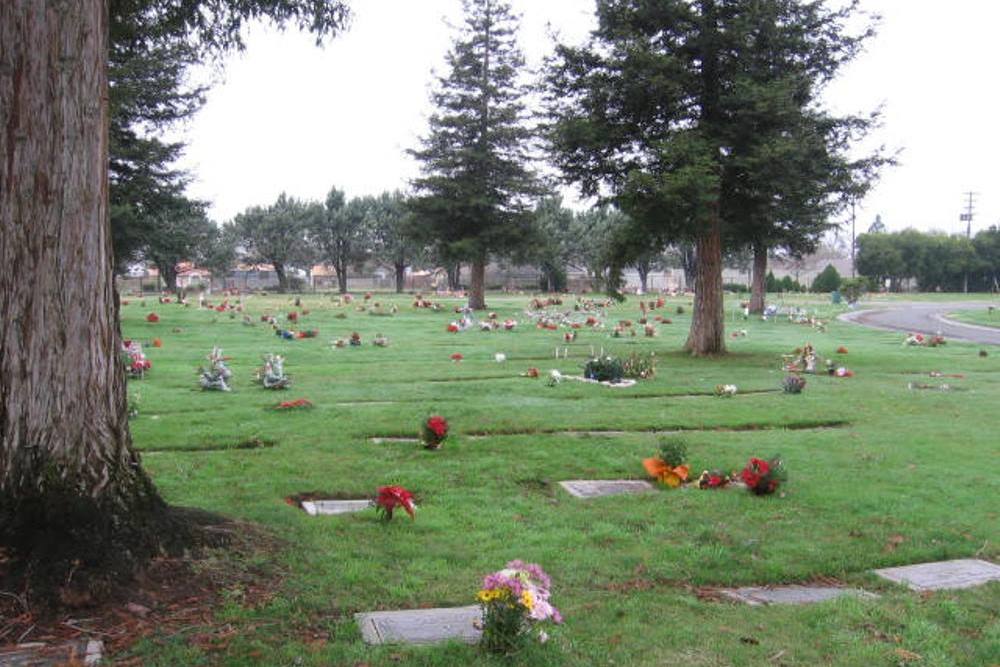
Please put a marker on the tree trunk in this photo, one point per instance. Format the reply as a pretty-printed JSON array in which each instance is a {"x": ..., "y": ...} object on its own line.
[
  {"x": 477, "y": 284},
  {"x": 169, "y": 273},
  {"x": 758, "y": 280},
  {"x": 707, "y": 335},
  {"x": 643, "y": 270},
  {"x": 279, "y": 271},
  {"x": 454, "y": 276},
  {"x": 689, "y": 263},
  {"x": 400, "y": 276},
  {"x": 73, "y": 495}
]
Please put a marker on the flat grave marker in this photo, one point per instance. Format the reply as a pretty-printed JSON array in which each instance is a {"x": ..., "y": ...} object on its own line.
[
  {"x": 421, "y": 626},
  {"x": 318, "y": 507},
  {"x": 596, "y": 488},
  {"x": 943, "y": 575},
  {"x": 792, "y": 594}
]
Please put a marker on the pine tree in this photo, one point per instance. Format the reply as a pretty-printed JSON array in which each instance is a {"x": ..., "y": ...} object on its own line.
[{"x": 473, "y": 195}]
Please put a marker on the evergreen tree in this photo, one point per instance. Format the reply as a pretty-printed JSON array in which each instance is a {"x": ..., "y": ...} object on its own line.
[
  {"x": 473, "y": 195},
  {"x": 661, "y": 109},
  {"x": 828, "y": 280}
]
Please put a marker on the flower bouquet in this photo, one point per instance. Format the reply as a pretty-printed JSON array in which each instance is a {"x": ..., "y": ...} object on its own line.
[
  {"x": 531, "y": 372},
  {"x": 355, "y": 339},
  {"x": 509, "y": 325},
  {"x": 763, "y": 477},
  {"x": 569, "y": 336},
  {"x": 841, "y": 350},
  {"x": 793, "y": 384},
  {"x": 272, "y": 374},
  {"x": 380, "y": 341},
  {"x": 669, "y": 466},
  {"x": 433, "y": 431},
  {"x": 638, "y": 366},
  {"x": 389, "y": 498},
  {"x": 713, "y": 479},
  {"x": 649, "y": 330},
  {"x": 914, "y": 339},
  {"x": 215, "y": 377},
  {"x": 453, "y": 327},
  {"x": 135, "y": 361},
  {"x": 513, "y": 601},
  {"x": 152, "y": 318},
  {"x": 725, "y": 390}
]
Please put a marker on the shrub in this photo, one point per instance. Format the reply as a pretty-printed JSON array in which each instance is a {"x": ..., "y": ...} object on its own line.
[
  {"x": 827, "y": 281},
  {"x": 854, "y": 288},
  {"x": 604, "y": 369}
]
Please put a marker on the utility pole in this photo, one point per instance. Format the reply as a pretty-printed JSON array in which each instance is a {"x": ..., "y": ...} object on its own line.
[
  {"x": 967, "y": 219},
  {"x": 854, "y": 242}
]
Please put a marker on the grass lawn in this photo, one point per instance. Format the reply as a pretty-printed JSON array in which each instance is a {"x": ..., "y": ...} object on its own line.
[
  {"x": 907, "y": 476},
  {"x": 981, "y": 316}
]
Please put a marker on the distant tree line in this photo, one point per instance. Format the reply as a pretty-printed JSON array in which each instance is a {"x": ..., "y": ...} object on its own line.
[{"x": 933, "y": 261}]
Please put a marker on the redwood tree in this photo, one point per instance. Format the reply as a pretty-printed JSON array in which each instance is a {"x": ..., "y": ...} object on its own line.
[
  {"x": 74, "y": 498},
  {"x": 657, "y": 112}
]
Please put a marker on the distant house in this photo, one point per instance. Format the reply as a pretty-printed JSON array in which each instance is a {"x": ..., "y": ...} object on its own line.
[
  {"x": 322, "y": 276},
  {"x": 189, "y": 275}
]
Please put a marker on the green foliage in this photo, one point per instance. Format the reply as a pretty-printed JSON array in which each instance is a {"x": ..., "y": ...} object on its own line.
[
  {"x": 828, "y": 280},
  {"x": 604, "y": 369},
  {"x": 637, "y": 366},
  {"x": 936, "y": 261},
  {"x": 684, "y": 113},
  {"x": 341, "y": 232},
  {"x": 474, "y": 190},
  {"x": 854, "y": 288},
  {"x": 673, "y": 451},
  {"x": 276, "y": 235}
]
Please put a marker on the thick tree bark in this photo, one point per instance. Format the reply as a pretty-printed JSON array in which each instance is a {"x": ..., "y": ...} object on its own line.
[
  {"x": 707, "y": 334},
  {"x": 477, "y": 284},
  {"x": 758, "y": 287},
  {"x": 400, "y": 268},
  {"x": 73, "y": 495}
]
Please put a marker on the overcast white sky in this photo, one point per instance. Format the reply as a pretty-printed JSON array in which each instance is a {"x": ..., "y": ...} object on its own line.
[{"x": 289, "y": 116}]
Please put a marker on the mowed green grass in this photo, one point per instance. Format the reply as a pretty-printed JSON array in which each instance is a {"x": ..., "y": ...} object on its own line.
[
  {"x": 907, "y": 477},
  {"x": 982, "y": 316}
]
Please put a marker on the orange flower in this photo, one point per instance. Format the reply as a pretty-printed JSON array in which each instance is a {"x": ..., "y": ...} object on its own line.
[{"x": 659, "y": 470}]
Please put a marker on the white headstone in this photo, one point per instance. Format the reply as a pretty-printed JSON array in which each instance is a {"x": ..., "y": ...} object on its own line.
[
  {"x": 595, "y": 488},
  {"x": 316, "y": 507}
]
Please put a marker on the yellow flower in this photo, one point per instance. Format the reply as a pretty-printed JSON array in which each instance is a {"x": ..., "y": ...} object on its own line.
[{"x": 527, "y": 600}]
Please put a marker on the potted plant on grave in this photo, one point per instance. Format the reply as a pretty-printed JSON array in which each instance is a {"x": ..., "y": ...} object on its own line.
[{"x": 433, "y": 431}]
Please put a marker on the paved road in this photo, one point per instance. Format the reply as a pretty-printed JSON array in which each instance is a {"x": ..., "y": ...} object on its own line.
[{"x": 925, "y": 318}]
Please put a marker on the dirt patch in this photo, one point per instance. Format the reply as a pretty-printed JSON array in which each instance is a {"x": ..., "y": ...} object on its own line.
[
  {"x": 535, "y": 485},
  {"x": 171, "y": 596}
]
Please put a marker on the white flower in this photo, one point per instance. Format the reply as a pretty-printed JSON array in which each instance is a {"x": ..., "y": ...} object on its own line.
[{"x": 500, "y": 357}]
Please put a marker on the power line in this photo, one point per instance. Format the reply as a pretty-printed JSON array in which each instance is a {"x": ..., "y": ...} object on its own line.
[{"x": 970, "y": 212}]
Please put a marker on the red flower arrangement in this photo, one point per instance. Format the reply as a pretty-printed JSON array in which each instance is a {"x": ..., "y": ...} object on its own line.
[
  {"x": 569, "y": 336},
  {"x": 220, "y": 308},
  {"x": 763, "y": 477},
  {"x": 591, "y": 321},
  {"x": 452, "y": 327},
  {"x": 293, "y": 405},
  {"x": 457, "y": 357},
  {"x": 841, "y": 350},
  {"x": 531, "y": 372},
  {"x": 713, "y": 479},
  {"x": 157, "y": 342},
  {"x": 435, "y": 430},
  {"x": 391, "y": 497},
  {"x": 293, "y": 316},
  {"x": 152, "y": 318}
]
